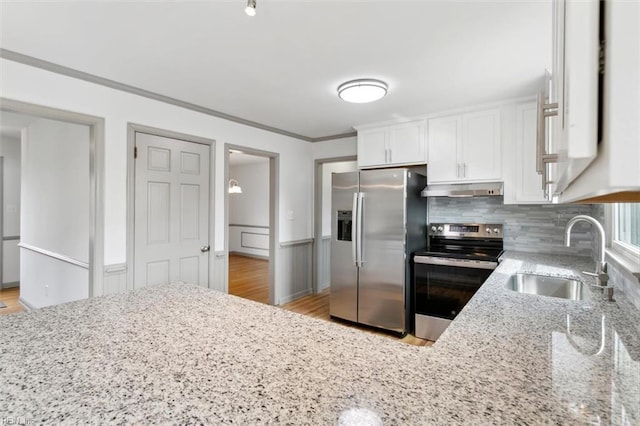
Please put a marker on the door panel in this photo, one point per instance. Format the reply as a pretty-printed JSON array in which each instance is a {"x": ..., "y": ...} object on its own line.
[
  {"x": 382, "y": 275},
  {"x": 171, "y": 211},
  {"x": 343, "y": 300}
]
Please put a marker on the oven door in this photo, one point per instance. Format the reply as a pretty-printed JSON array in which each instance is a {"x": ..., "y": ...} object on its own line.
[{"x": 443, "y": 287}]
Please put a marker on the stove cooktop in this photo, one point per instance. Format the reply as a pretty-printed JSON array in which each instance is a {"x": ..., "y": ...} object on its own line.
[
  {"x": 472, "y": 254},
  {"x": 464, "y": 241}
]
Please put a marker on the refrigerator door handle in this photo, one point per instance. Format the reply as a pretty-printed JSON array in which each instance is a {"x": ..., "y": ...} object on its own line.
[
  {"x": 354, "y": 237},
  {"x": 359, "y": 236}
]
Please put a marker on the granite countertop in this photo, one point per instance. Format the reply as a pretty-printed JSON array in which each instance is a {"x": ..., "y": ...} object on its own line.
[{"x": 183, "y": 354}]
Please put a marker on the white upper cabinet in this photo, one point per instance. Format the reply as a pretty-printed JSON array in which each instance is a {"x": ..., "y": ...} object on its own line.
[
  {"x": 372, "y": 147},
  {"x": 398, "y": 144},
  {"x": 522, "y": 182},
  {"x": 614, "y": 175},
  {"x": 481, "y": 154},
  {"x": 575, "y": 83},
  {"x": 445, "y": 138},
  {"x": 465, "y": 147}
]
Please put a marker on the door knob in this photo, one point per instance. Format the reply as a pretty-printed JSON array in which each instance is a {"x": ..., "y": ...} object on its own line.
[{"x": 204, "y": 249}]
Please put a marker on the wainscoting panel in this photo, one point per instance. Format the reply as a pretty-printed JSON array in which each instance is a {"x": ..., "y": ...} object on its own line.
[
  {"x": 248, "y": 239},
  {"x": 115, "y": 278},
  {"x": 295, "y": 273},
  {"x": 324, "y": 263}
]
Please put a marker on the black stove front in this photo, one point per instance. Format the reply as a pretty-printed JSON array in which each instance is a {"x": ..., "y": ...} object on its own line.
[{"x": 458, "y": 260}]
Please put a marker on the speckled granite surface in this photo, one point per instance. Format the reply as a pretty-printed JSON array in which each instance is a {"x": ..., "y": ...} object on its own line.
[{"x": 183, "y": 354}]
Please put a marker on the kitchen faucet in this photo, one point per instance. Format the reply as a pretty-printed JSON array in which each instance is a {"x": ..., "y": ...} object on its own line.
[{"x": 601, "y": 266}]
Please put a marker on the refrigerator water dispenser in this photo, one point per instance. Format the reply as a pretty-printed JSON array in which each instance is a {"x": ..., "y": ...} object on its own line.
[{"x": 344, "y": 225}]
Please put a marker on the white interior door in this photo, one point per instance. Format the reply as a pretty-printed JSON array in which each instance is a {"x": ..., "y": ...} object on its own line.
[{"x": 171, "y": 211}]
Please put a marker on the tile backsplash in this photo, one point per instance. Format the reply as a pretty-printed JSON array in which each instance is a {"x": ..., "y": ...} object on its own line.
[
  {"x": 529, "y": 228},
  {"x": 537, "y": 229}
]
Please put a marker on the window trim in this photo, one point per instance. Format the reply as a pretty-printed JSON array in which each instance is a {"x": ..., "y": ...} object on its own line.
[{"x": 619, "y": 252}]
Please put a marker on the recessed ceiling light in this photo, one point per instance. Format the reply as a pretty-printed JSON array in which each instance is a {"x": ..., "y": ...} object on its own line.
[
  {"x": 251, "y": 8},
  {"x": 362, "y": 90}
]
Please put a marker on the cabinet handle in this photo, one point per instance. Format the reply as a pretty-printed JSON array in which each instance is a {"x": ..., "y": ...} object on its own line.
[
  {"x": 386, "y": 155},
  {"x": 544, "y": 110},
  {"x": 390, "y": 155},
  {"x": 464, "y": 170}
]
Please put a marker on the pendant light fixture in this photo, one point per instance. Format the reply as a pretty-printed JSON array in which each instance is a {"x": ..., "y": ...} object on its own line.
[
  {"x": 251, "y": 8},
  {"x": 234, "y": 187},
  {"x": 362, "y": 90}
]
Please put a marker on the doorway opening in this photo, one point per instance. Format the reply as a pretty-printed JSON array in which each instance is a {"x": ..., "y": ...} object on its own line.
[
  {"x": 50, "y": 209},
  {"x": 250, "y": 223}
]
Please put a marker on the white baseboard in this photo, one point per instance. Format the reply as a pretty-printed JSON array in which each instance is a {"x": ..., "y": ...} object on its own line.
[{"x": 26, "y": 305}]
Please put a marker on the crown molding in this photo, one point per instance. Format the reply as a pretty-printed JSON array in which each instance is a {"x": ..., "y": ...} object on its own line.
[{"x": 81, "y": 75}]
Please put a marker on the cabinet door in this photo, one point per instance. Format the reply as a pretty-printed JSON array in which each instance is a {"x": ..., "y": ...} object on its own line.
[
  {"x": 442, "y": 146},
  {"x": 372, "y": 148},
  {"x": 527, "y": 181},
  {"x": 576, "y": 85},
  {"x": 407, "y": 143},
  {"x": 481, "y": 145}
]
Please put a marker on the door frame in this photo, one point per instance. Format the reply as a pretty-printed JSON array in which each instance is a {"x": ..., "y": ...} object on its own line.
[
  {"x": 317, "y": 212},
  {"x": 96, "y": 178},
  {"x": 132, "y": 128},
  {"x": 274, "y": 231}
]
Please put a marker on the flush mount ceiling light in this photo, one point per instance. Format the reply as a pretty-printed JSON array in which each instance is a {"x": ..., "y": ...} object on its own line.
[
  {"x": 251, "y": 8},
  {"x": 234, "y": 187},
  {"x": 362, "y": 90}
]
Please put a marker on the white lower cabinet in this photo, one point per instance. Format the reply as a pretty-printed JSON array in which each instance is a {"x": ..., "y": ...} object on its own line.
[{"x": 465, "y": 147}]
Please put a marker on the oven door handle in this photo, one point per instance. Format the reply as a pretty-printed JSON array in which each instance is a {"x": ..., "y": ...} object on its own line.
[{"x": 460, "y": 263}]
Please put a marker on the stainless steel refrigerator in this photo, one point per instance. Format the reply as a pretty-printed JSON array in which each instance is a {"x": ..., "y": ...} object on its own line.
[{"x": 378, "y": 220}]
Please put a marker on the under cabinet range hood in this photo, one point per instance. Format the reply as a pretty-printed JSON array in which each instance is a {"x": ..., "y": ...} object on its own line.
[{"x": 488, "y": 189}]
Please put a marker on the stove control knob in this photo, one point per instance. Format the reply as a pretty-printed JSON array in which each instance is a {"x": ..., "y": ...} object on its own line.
[
  {"x": 440, "y": 228},
  {"x": 496, "y": 230},
  {"x": 488, "y": 230},
  {"x": 434, "y": 229}
]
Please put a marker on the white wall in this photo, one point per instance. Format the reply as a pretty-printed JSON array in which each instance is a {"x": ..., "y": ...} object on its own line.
[
  {"x": 327, "y": 170},
  {"x": 55, "y": 188},
  {"x": 55, "y": 212},
  {"x": 29, "y": 84},
  {"x": 295, "y": 180},
  {"x": 252, "y": 206},
  {"x": 10, "y": 151},
  {"x": 249, "y": 211},
  {"x": 344, "y": 147}
]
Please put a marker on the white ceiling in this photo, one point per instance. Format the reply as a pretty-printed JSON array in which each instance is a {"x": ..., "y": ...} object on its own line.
[{"x": 281, "y": 67}]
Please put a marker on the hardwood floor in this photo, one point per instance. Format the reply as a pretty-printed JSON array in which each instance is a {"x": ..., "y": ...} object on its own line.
[
  {"x": 317, "y": 306},
  {"x": 249, "y": 278},
  {"x": 10, "y": 297}
]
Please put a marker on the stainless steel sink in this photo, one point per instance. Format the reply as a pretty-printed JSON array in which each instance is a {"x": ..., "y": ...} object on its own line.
[{"x": 540, "y": 285}]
